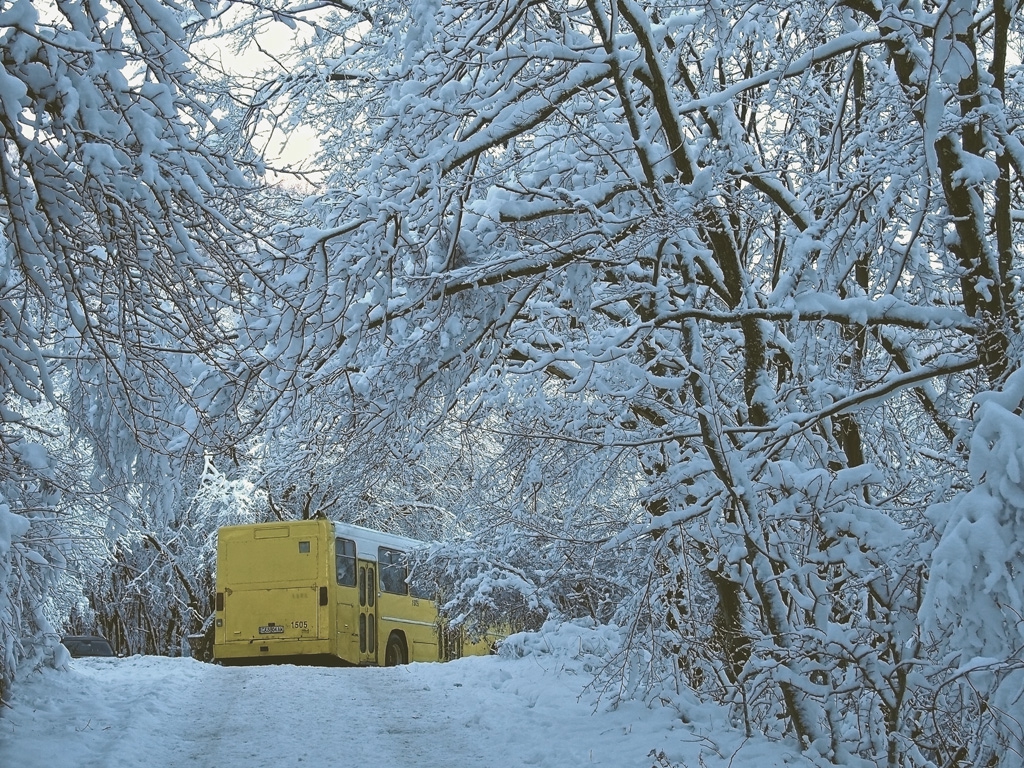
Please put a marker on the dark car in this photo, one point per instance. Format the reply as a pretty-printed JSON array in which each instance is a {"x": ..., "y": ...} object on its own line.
[{"x": 86, "y": 645}]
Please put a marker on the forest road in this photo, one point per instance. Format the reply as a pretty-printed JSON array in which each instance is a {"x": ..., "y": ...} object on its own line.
[{"x": 157, "y": 712}]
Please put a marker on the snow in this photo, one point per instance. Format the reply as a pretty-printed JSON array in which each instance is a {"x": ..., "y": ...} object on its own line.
[
  {"x": 528, "y": 707},
  {"x": 12, "y": 526}
]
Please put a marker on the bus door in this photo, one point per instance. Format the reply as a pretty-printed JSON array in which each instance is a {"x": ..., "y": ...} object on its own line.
[
  {"x": 367, "y": 612},
  {"x": 346, "y": 624}
]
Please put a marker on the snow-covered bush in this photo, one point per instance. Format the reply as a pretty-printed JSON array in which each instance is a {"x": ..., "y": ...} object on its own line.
[
  {"x": 34, "y": 548},
  {"x": 974, "y": 603},
  {"x": 581, "y": 639},
  {"x": 155, "y": 585}
]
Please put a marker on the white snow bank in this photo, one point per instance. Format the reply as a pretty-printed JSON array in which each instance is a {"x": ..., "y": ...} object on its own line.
[{"x": 579, "y": 640}]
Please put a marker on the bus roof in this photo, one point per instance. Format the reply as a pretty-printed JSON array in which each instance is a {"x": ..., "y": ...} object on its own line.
[
  {"x": 368, "y": 536},
  {"x": 365, "y": 538}
]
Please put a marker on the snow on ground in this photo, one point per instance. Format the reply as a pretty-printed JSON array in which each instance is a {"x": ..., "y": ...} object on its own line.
[{"x": 529, "y": 709}]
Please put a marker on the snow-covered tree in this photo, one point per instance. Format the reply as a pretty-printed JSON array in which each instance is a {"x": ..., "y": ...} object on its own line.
[
  {"x": 769, "y": 249},
  {"x": 120, "y": 284}
]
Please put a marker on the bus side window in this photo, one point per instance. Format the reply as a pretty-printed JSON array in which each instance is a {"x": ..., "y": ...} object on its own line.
[
  {"x": 345, "y": 561},
  {"x": 417, "y": 588},
  {"x": 417, "y": 585},
  {"x": 391, "y": 563}
]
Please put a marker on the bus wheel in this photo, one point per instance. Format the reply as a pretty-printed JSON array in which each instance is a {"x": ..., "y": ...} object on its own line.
[{"x": 394, "y": 654}]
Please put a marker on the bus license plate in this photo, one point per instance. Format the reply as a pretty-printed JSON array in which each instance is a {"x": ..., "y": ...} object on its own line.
[{"x": 273, "y": 629}]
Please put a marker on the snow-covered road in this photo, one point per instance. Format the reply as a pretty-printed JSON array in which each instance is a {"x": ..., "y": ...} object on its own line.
[{"x": 156, "y": 712}]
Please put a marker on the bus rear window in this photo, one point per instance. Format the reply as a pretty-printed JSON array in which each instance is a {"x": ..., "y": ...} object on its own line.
[{"x": 345, "y": 561}]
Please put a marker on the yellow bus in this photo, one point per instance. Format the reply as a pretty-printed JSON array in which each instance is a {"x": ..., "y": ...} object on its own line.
[{"x": 318, "y": 591}]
